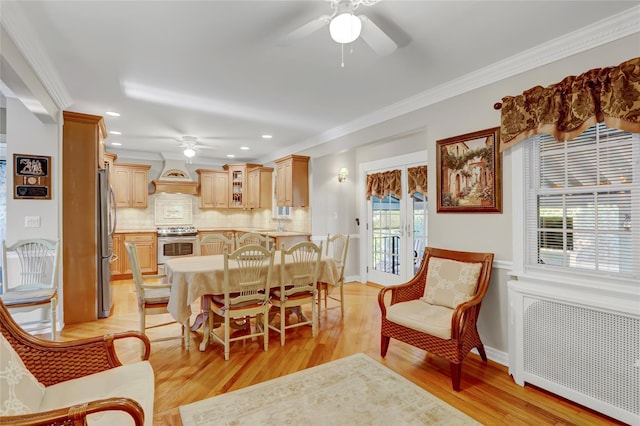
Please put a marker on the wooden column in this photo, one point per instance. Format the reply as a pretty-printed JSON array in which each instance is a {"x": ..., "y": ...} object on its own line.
[{"x": 82, "y": 155}]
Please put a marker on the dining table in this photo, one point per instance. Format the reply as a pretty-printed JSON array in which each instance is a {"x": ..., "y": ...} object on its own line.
[{"x": 193, "y": 277}]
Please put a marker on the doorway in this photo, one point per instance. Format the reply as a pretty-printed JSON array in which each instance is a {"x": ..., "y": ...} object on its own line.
[{"x": 396, "y": 229}]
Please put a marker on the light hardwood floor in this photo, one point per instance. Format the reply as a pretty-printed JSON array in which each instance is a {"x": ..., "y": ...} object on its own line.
[{"x": 488, "y": 393}]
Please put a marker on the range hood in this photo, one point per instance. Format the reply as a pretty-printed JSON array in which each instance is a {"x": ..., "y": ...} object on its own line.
[{"x": 175, "y": 179}]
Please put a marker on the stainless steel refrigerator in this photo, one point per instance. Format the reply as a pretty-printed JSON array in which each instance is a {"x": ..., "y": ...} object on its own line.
[{"x": 107, "y": 224}]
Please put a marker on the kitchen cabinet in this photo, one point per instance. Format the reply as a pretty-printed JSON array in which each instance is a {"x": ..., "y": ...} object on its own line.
[
  {"x": 130, "y": 185},
  {"x": 238, "y": 184},
  {"x": 214, "y": 188},
  {"x": 289, "y": 240},
  {"x": 147, "y": 245},
  {"x": 117, "y": 260},
  {"x": 292, "y": 181},
  {"x": 260, "y": 188},
  {"x": 109, "y": 159}
]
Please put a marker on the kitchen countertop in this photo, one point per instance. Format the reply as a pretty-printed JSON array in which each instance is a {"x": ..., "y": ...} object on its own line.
[{"x": 269, "y": 232}]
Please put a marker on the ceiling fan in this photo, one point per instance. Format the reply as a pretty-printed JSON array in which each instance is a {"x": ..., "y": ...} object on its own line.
[
  {"x": 190, "y": 145},
  {"x": 345, "y": 27}
]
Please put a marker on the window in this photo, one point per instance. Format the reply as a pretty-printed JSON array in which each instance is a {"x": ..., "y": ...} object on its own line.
[{"x": 583, "y": 203}]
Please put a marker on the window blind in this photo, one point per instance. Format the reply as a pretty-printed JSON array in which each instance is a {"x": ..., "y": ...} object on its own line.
[{"x": 583, "y": 203}]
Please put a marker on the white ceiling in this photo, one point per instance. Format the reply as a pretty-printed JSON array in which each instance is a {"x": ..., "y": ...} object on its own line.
[{"x": 215, "y": 70}]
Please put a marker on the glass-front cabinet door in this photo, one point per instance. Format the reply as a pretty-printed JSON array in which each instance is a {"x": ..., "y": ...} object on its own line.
[
  {"x": 239, "y": 184},
  {"x": 237, "y": 181}
]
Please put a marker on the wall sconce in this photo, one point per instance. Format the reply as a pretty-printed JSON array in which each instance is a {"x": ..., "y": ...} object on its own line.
[{"x": 342, "y": 174}]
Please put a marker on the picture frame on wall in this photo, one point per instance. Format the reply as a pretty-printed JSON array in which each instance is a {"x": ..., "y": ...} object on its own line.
[
  {"x": 31, "y": 177},
  {"x": 469, "y": 173}
]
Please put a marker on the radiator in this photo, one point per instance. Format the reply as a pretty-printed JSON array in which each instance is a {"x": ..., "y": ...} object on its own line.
[{"x": 571, "y": 345}]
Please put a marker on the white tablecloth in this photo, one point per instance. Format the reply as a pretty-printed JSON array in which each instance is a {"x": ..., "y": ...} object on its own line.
[{"x": 194, "y": 276}]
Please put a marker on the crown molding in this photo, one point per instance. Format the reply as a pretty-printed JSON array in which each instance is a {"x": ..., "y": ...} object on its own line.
[
  {"x": 597, "y": 34},
  {"x": 25, "y": 39}
]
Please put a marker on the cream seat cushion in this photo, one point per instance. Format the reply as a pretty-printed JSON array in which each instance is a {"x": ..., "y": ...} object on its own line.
[
  {"x": 450, "y": 283},
  {"x": 135, "y": 381},
  {"x": 20, "y": 391},
  {"x": 422, "y": 316}
]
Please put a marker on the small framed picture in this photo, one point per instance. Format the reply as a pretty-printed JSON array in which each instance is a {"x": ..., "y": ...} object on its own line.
[
  {"x": 31, "y": 177},
  {"x": 469, "y": 173}
]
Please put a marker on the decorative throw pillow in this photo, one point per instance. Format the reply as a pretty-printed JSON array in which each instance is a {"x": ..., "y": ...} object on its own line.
[
  {"x": 449, "y": 282},
  {"x": 20, "y": 392}
]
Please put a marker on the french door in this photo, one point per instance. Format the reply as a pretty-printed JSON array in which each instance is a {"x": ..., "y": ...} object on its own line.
[{"x": 396, "y": 235}]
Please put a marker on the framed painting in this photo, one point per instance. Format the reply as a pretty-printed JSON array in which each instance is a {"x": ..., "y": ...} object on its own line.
[
  {"x": 31, "y": 177},
  {"x": 469, "y": 173}
]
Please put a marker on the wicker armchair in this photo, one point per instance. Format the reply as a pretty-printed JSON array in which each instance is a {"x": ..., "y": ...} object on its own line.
[
  {"x": 425, "y": 313},
  {"x": 53, "y": 363}
]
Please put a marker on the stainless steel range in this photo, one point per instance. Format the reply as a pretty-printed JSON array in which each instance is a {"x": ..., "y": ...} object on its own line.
[{"x": 175, "y": 241}]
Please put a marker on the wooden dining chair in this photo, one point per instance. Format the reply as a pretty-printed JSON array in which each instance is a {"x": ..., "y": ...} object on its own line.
[
  {"x": 247, "y": 274},
  {"x": 337, "y": 247},
  {"x": 298, "y": 287},
  {"x": 153, "y": 298},
  {"x": 35, "y": 281},
  {"x": 214, "y": 244},
  {"x": 247, "y": 238}
]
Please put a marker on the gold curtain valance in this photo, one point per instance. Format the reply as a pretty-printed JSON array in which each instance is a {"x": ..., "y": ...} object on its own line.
[
  {"x": 417, "y": 179},
  {"x": 383, "y": 184},
  {"x": 568, "y": 108}
]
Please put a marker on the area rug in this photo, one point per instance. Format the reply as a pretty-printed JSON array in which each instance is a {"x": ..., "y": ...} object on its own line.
[{"x": 355, "y": 390}]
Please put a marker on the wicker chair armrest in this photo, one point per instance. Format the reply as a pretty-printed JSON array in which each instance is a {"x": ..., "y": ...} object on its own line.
[
  {"x": 54, "y": 362},
  {"x": 461, "y": 316},
  {"x": 76, "y": 414},
  {"x": 411, "y": 290}
]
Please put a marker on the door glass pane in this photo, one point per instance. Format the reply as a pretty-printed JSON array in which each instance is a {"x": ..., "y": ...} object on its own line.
[
  {"x": 420, "y": 212},
  {"x": 386, "y": 234}
]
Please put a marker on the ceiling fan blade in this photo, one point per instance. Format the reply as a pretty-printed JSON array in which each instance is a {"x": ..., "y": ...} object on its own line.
[
  {"x": 304, "y": 30},
  {"x": 380, "y": 42}
]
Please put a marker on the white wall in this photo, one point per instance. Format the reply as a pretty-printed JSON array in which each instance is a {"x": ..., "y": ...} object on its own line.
[
  {"x": 26, "y": 134},
  {"x": 472, "y": 111}
]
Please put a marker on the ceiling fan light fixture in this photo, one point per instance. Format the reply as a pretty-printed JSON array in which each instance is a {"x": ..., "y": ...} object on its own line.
[
  {"x": 189, "y": 152},
  {"x": 345, "y": 28}
]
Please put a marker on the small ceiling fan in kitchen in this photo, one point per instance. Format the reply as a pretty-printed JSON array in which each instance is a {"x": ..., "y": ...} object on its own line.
[
  {"x": 345, "y": 27},
  {"x": 191, "y": 145}
]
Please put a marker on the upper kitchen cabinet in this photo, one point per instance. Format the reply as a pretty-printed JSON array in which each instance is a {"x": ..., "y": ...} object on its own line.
[
  {"x": 214, "y": 188},
  {"x": 260, "y": 188},
  {"x": 238, "y": 184},
  {"x": 130, "y": 185},
  {"x": 109, "y": 159},
  {"x": 292, "y": 181}
]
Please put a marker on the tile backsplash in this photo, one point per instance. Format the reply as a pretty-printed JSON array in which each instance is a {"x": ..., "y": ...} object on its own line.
[{"x": 144, "y": 219}]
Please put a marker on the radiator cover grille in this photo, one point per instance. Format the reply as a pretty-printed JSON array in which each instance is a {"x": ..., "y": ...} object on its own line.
[{"x": 591, "y": 352}]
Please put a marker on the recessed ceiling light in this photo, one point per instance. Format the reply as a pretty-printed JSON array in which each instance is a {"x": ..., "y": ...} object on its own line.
[
  {"x": 266, "y": 136},
  {"x": 115, "y": 132},
  {"x": 246, "y": 148},
  {"x": 113, "y": 114},
  {"x": 230, "y": 155},
  {"x": 116, "y": 144}
]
